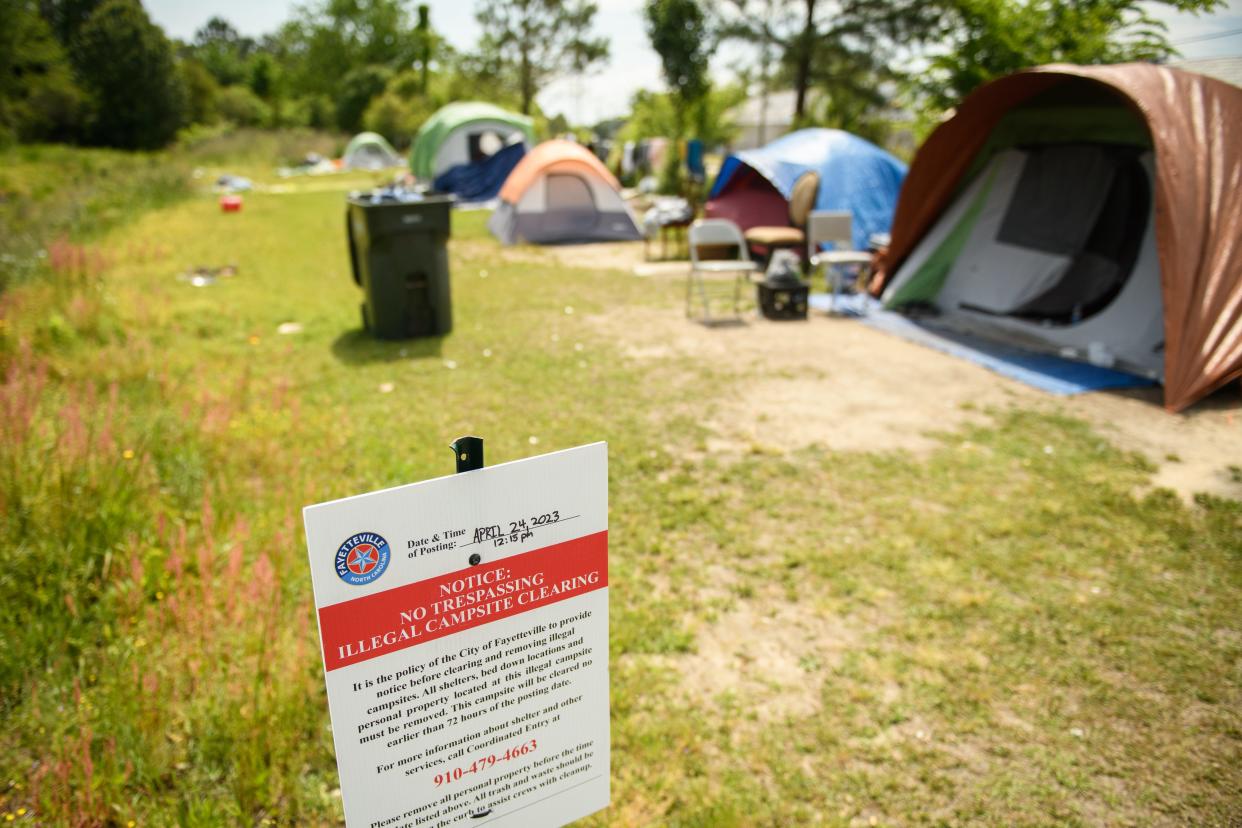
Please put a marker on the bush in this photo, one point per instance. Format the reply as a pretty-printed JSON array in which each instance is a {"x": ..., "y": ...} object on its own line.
[
  {"x": 358, "y": 87},
  {"x": 38, "y": 99},
  {"x": 396, "y": 119},
  {"x": 242, "y": 107},
  {"x": 201, "y": 92}
]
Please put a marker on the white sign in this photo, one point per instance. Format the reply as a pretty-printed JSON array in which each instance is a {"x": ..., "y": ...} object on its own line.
[{"x": 468, "y": 694}]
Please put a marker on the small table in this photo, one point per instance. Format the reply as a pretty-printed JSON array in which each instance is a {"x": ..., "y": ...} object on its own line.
[{"x": 676, "y": 229}]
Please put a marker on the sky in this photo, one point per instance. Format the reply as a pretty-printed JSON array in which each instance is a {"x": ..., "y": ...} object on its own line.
[{"x": 633, "y": 64}]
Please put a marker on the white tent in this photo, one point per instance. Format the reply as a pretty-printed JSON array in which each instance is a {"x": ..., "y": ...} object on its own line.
[{"x": 369, "y": 151}]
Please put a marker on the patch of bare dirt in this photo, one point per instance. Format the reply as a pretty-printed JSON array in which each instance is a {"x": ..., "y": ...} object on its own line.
[
  {"x": 768, "y": 655},
  {"x": 599, "y": 256},
  {"x": 837, "y": 383}
]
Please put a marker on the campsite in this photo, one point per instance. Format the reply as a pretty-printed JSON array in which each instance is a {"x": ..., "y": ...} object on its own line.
[{"x": 924, "y": 469}]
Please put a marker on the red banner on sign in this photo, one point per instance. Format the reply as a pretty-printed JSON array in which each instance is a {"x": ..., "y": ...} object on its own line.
[{"x": 413, "y": 614}]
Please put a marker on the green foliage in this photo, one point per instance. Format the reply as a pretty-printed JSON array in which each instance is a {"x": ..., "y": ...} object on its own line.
[
  {"x": 655, "y": 115},
  {"x": 238, "y": 105},
  {"x": 854, "y": 86},
  {"x": 52, "y": 192},
  {"x": 676, "y": 29},
  {"x": 126, "y": 64},
  {"x": 400, "y": 110},
  {"x": 830, "y": 46},
  {"x": 535, "y": 41},
  {"x": 201, "y": 92},
  {"x": 357, "y": 89},
  {"x": 223, "y": 51},
  {"x": 263, "y": 75},
  {"x": 326, "y": 41},
  {"x": 672, "y": 179},
  {"x": 39, "y": 100},
  {"x": 67, "y": 16},
  {"x": 992, "y": 38}
]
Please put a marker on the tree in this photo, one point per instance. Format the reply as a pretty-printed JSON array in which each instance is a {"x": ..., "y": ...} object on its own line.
[
  {"x": 357, "y": 89},
  {"x": 67, "y": 16},
  {"x": 223, "y": 51},
  {"x": 127, "y": 66},
  {"x": 538, "y": 40},
  {"x": 676, "y": 29},
  {"x": 653, "y": 115},
  {"x": 855, "y": 32},
  {"x": 326, "y": 41},
  {"x": 262, "y": 78},
  {"x": 991, "y": 38},
  {"x": 39, "y": 100}
]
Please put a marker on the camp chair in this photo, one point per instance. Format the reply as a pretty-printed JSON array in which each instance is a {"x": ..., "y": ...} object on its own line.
[
  {"x": 801, "y": 202},
  {"x": 826, "y": 227},
  {"x": 719, "y": 234}
]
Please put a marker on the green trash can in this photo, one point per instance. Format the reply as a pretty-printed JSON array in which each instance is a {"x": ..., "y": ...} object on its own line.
[{"x": 399, "y": 255}]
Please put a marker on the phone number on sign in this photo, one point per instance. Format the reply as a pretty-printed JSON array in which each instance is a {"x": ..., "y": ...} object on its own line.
[{"x": 485, "y": 762}]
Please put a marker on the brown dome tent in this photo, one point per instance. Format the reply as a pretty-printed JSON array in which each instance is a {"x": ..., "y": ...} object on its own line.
[{"x": 1161, "y": 149}]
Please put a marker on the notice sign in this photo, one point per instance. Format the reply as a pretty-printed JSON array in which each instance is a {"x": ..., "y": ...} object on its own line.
[{"x": 469, "y": 694}]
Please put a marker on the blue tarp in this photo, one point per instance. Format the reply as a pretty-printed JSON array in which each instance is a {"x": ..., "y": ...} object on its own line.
[
  {"x": 481, "y": 180},
  {"x": 854, "y": 175},
  {"x": 694, "y": 159}
]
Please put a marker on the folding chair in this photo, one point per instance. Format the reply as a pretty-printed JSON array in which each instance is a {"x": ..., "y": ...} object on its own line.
[
  {"x": 716, "y": 233},
  {"x": 835, "y": 228}
]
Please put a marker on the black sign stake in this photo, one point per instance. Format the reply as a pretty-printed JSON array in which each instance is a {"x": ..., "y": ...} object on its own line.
[{"x": 469, "y": 454}]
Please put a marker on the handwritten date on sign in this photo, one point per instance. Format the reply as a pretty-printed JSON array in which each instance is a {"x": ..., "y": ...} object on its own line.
[{"x": 519, "y": 530}]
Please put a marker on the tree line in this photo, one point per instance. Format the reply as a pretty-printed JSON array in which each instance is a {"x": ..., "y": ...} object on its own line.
[
  {"x": 101, "y": 72},
  {"x": 849, "y": 63}
]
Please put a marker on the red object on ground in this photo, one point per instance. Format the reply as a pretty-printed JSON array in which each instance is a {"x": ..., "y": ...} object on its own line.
[{"x": 230, "y": 204}]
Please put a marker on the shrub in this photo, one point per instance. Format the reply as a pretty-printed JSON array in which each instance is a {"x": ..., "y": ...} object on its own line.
[
  {"x": 358, "y": 87},
  {"x": 242, "y": 107}
]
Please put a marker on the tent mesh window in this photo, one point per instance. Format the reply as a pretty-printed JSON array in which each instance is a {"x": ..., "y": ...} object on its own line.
[{"x": 1090, "y": 202}]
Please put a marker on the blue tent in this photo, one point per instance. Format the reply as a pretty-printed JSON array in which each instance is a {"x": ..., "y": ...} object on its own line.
[
  {"x": 482, "y": 180},
  {"x": 854, "y": 175}
]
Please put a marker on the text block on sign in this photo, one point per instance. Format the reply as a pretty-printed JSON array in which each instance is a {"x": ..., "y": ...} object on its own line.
[{"x": 469, "y": 694}]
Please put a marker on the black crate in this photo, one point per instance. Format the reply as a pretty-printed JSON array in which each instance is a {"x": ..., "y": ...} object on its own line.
[{"x": 783, "y": 301}]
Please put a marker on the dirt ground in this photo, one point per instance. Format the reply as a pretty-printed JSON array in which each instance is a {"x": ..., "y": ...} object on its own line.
[{"x": 835, "y": 382}]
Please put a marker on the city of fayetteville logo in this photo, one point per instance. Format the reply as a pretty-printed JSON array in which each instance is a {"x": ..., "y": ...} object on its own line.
[{"x": 362, "y": 558}]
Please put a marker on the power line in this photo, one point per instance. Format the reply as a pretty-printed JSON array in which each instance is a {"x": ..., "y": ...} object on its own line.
[{"x": 1230, "y": 33}]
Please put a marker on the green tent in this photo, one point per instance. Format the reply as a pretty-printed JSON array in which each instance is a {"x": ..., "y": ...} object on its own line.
[
  {"x": 450, "y": 137},
  {"x": 369, "y": 151}
]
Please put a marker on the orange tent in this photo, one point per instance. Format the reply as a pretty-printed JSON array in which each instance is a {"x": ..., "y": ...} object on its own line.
[{"x": 560, "y": 192}]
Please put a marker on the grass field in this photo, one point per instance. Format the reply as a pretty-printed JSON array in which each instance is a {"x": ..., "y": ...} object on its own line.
[{"x": 1013, "y": 630}]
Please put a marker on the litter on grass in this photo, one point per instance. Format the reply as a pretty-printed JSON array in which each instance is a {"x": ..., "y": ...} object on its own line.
[{"x": 203, "y": 276}]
